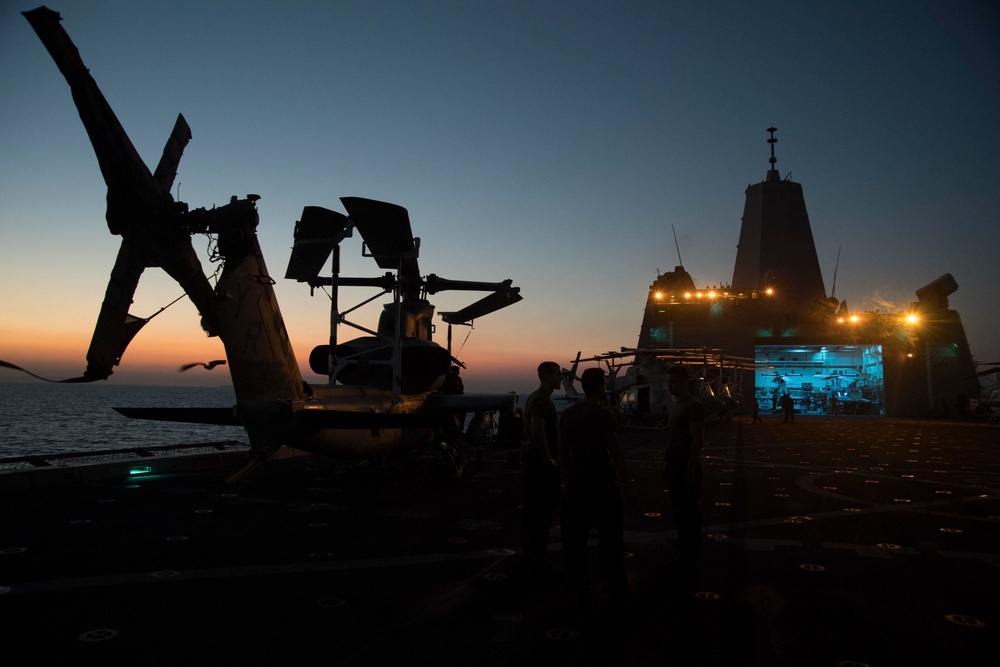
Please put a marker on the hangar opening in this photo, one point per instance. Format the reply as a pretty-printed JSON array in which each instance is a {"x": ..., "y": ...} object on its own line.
[{"x": 821, "y": 379}]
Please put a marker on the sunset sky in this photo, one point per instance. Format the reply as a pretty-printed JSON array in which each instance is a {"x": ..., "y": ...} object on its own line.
[{"x": 554, "y": 143}]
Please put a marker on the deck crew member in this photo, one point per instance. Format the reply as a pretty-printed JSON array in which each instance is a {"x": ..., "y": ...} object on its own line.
[
  {"x": 682, "y": 470},
  {"x": 541, "y": 472},
  {"x": 593, "y": 466}
]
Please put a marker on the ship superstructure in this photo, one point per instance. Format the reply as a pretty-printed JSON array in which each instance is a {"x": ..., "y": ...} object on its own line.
[{"x": 776, "y": 311}]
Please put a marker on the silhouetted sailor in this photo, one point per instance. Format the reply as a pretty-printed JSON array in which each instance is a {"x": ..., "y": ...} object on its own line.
[
  {"x": 682, "y": 470},
  {"x": 541, "y": 471},
  {"x": 593, "y": 465},
  {"x": 788, "y": 407}
]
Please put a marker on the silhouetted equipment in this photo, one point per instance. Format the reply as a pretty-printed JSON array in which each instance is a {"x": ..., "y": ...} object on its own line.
[
  {"x": 316, "y": 235},
  {"x": 384, "y": 398},
  {"x": 388, "y": 239},
  {"x": 934, "y": 295},
  {"x": 140, "y": 207},
  {"x": 504, "y": 296}
]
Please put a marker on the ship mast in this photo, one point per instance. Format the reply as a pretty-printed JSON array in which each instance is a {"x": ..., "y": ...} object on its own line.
[
  {"x": 680, "y": 263},
  {"x": 773, "y": 173}
]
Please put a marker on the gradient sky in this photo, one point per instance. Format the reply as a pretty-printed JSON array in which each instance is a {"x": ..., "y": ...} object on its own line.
[{"x": 554, "y": 143}]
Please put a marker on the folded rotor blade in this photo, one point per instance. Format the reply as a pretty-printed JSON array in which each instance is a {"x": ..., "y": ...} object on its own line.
[
  {"x": 133, "y": 194},
  {"x": 140, "y": 207},
  {"x": 115, "y": 328},
  {"x": 386, "y": 231},
  {"x": 384, "y": 227},
  {"x": 166, "y": 170},
  {"x": 435, "y": 283},
  {"x": 484, "y": 306},
  {"x": 316, "y": 234}
]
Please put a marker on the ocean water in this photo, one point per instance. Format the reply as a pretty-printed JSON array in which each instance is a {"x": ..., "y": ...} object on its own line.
[{"x": 45, "y": 418}]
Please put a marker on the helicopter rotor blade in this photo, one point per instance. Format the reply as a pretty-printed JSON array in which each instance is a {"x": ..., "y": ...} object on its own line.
[
  {"x": 133, "y": 193},
  {"x": 166, "y": 170},
  {"x": 435, "y": 283},
  {"x": 115, "y": 327},
  {"x": 140, "y": 207},
  {"x": 316, "y": 235},
  {"x": 386, "y": 231},
  {"x": 488, "y": 304}
]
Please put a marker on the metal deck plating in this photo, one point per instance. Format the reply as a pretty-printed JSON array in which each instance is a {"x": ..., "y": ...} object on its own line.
[{"x": 850, "y": 540}]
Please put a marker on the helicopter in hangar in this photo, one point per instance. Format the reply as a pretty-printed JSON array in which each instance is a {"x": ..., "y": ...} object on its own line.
[
  {"x": 637, "y": 381},
  {"x": 383, "y": 388}
]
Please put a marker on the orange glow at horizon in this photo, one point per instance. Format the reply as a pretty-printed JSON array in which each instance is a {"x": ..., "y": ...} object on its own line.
[{"x": 156, "y": 354}]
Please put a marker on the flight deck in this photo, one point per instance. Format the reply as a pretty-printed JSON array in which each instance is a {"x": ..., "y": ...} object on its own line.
[{"x": 830, "y": 541}]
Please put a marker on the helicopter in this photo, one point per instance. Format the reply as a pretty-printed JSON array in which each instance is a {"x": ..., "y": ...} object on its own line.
[{"x": 383, "y": 388}]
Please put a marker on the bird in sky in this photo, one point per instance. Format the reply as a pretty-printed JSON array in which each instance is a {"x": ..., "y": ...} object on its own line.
[{"x": 210, "y": 365}]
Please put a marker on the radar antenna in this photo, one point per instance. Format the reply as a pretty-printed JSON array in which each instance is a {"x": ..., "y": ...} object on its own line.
[{"x": 773, "y": 161}]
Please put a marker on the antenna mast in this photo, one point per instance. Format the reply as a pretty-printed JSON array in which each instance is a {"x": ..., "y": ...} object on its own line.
[
  {"x": 835, "y": 268},
  {"x": 677, "y": 245}
]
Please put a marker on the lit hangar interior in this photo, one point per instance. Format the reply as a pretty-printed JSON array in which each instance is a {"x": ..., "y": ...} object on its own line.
[{"x": 821, "y": 379}]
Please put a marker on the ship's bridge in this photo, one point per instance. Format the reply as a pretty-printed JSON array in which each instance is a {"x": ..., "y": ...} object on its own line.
[{"x": 707, "y": 295}]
